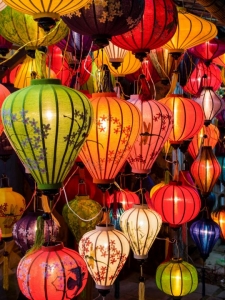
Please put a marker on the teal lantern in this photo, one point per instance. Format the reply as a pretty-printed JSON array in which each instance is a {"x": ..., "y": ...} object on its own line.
[{"x": 47, "y": 123}]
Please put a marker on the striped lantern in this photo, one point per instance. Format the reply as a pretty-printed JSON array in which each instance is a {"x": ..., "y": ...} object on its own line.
[
  {"x": 47, "y": 123},
  {"x": 115, "y": 54},
  {"x": 125, "y": 197},
  {"x": 218, "y": 216},
  {"x": 141, "y": 226}
]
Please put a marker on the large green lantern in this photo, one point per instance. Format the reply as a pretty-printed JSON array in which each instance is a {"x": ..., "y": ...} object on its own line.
[{"x": 47, "y": 123}]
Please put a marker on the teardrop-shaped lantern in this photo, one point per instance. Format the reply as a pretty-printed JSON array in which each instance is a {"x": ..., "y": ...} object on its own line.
[
  {"x": 220, "y": 60},
  {"x": 206, "y": 170},
  {"x": 157, "y": 125},
  {"x": 141, "y": 226},
  {"x": 218, "y": 216},
  {"x": 117, "y": 125},
  {"x": 47, "y": 123},
  {"x": 187, "y": 115},
  {"x": 207, "y": 136}
]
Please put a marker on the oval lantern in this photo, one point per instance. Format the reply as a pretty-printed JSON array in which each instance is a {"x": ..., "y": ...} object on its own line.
[
  {"x": 141, "y": 226},
  {"x": 32, "y": 118},
  {"x": 117, "y": 125},
  {"x": 52, "y": 272},
  {"x": 218, "y": 216},
  {"x": 176, "y": 278},
  {"x": 125, "y": 197},
  {"x": 188, "y": 117},
  {"x": 176, "y": 203},
  {"x": 105, "y": 251},
  {"x": 207, "y": 136},
  {"x": 84, "y": 209}
]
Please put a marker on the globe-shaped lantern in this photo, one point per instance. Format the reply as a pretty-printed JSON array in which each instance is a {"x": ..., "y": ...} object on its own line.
[
  {"x": 47, "y": 123},
  {"x": 157, "y": 26},
  {"x": 105, "y": 251},
  {"x": 102, "y": 20},
  {"x": 218, "y": 216},
  {"x": 24, "y": 231},
  {"x": 52, "y": 272},
  {"x": 205, "y": 233},
  {"x": 211, "y": 104},
  {"x": 10, "y": 75},
  {"x": 141, "y": 226},
  {"x": 176, "y": 203},
  {"x": 176, "y": 278},
  {"x": 207, "y": 136},
  {"x": 125, "y": 197},
  {"x": 117, "y": 125},
  {"x": 206, "y": 170},
  {"x": 2, "y": 5},
  {"x": 187, "y": 115},
  {"x": 156, "y": 127},
  {"x": 83, "y": 220},
  {"x": 4, "y": 92},
  {"x": 4, "y": 46}
]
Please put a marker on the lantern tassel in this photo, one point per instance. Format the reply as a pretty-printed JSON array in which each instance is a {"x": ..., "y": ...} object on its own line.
[
  {"x": 6, "y": 270},
  {"x": 46, "y": 208}
]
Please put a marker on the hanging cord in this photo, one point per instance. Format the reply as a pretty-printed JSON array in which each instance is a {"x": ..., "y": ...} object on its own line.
[
  {"x": 64, "y": 54},
  {"x": 176, "y": 170},
  {"x": 86, "y": 60},
  {"x": 172, "y": 241}
]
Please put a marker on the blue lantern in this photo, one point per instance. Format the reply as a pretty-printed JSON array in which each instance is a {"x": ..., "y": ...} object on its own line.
[{"x": 115, "y": 212}]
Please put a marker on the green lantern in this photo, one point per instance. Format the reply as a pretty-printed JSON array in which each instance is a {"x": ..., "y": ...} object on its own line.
[
  {"x": 86, "y": 209},
  {"x": 176, "y": 278},
  {"x": 47, "y": 123}
]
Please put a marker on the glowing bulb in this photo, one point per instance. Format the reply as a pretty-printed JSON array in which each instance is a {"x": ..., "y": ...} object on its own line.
[{"x": 49, "y": 115}]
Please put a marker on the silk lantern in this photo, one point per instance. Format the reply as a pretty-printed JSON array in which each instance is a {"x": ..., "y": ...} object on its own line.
[
  {"x": 207, "y": 136},
  {"x": 157, "y": 26},
  {"x": 187, "y": 115},
  {"x": 52, "y": 272},
  {"x": 156, "y": 187},
  {"x": 2, "y": 5},
  {"x": 105, "y": 251},
  {"x": 176, "y": 203},
  {"x": 117, "y": 125},
  {"x": 141, "y": 226},
  {"x": 47, "y": 123},
  {"x": 102, "y": 20},
  {"x": 125, "y": 197},
  {"x": 156, "y": 127},
  {"x": 176, "y": 278},
  {"x": 206, "y": 170},
  {"x": 218, "y": 216}
]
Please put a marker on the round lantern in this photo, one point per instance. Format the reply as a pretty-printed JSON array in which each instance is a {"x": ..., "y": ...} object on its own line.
[
  {"x": 125, "y": 197},
  {"x": 156, "y": 127},
  {"x": 218, "y": 216},
  {"x": 211, "y": 104},
  {"x": 205, "y": 233},
  {"x": 176, "y": 203},
  {"x": 105, "y": 251},
  {"x": 176, "y": 278},
  {"x": 117, "y": 125},
  {"x": 12, "y": 206},
  {"x": 102, "y": 20},
  {"x": 21, "y": 29},
  {"x": 189, "y": 32},
  {"x": 206, "y": 170},
  {"x": 4, "y": 92},
  {"x": 85, "y": 209},
  {"x": 187, "y": 115},
  {"x": 47, "y": 123},
  {"x": 207, "y": 136},
  {"x": 24, "y": 231},
  {"x": 221, "y": 160},
  {"x": 4, "y": 46},
  {"x": 141, "y": 226},
  {"x": 157, "y": 26},
  {"x": 52, "y": 272}
]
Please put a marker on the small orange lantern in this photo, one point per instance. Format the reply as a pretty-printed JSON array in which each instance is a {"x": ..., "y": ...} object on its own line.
[{"x": 218, "y": 216}]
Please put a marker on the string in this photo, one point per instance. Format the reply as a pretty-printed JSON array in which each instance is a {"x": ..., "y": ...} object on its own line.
[
  {"x": 172, "y": 241},
  {"x": 97, "y": 297},
  {"x": 64, "y": 54}
]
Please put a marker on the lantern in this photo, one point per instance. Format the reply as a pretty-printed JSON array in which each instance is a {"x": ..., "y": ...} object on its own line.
[
  {"x": 156, "y": 187},
  {"x": 115, "y": 54},
  {"x": 81, "y": 74},
  {"x": 105, "y": 251},
  {"x": 186, "y": 67},
  {"x": 176, "y": 203},
  {"x": 141, "y": 226},
  {"x": 218, "y": 216},
  {"x": 157, "y": 26},
  {"x": 207, "y": 136},
  {"x": 176, "y": 278},
  {"x": 4, "y": 92},
  {"x": 80, "y": 209},
  {"x": 205, "y": 233},
  {"x": 189, "y": 32},
  {"x": 12, "y": 206},
  {"x": 125, "y": 197},
  {"x": 187, "y": 115},
  {"x": 186, "y": 179},
  {"x": 206, "y": 170},
  {"x": 102, "y": 20},
  {"x": 52, "y": 272},
  {"x": 220, "y": 60},
  {"x": 10, "y": 75},
  {"x": 4, "y": 46},
  {"x": 117, "y": 125},
  {"x": 47, "y": 124},
  {"x": 24, "y": 231},
  {"x": 211, "y": 104},
  {"x": 157, "y": 125}
]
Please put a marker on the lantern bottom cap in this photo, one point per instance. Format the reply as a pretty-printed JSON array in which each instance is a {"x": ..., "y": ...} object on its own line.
[
  {"x": 140, "y": 257},
  {"x": 140, "y": 171},
  {"x": 52, "y": 15},
  {"x": 102, "y": 287}
]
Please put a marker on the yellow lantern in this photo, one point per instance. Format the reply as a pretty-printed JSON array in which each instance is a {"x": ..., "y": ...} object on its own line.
[
  {"x": 156, "y": 187},
  {"x": 115, "y": 54}
]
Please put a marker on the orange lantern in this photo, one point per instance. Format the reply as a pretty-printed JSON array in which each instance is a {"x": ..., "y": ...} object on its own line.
[
  {"x": 4, "y": 92},
  {"x": 218, "y": 216},
  {"x": 110, "y": 140},
  {"x": 207, "y": 136}
]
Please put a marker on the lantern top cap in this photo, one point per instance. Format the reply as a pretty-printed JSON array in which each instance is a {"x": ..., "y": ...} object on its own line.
[
  {"x": 176, "y": 260},
  {"x": 105, "y": 227},
  {"x": 140, "y": 206},
  {"x": 46, "y": 81},
  {"x": 174, "y": 182},
  {"x": 53, "y": 247},
  {"x": 182, "y": 9}
]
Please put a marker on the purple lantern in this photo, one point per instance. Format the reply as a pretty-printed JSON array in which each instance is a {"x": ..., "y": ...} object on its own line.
[{"x": 4, "y": 46}]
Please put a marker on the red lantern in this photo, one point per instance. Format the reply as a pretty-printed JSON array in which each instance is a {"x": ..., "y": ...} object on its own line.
[
  {"x": 82, "y": 73},
  {"x": 188, "y": 117},
  {"x": 157, "y": 27},
  {"x": 125, "y": 197},
  {"x": 176, "y": 203},
  {"x": 53, "y": 272},
  {"x": 10, "y": 75},
  {"x": 205, "y": 170}
]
